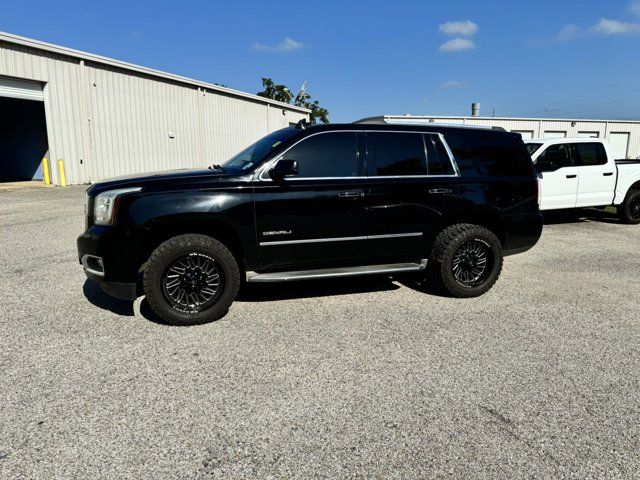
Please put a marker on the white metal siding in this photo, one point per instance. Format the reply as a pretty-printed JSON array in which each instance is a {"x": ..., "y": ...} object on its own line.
[{"x": 105, "y": 121}]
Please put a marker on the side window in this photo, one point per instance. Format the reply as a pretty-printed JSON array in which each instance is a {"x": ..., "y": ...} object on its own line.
[
  {"x": 326, "y": 155},
  {"x": 398, "y": 153},
  {"x": 554, "y": 158},
  {"x": 437, "y": 156},
  {"x": 588, "y": 154},
  {"x": 488, "y": 153}
]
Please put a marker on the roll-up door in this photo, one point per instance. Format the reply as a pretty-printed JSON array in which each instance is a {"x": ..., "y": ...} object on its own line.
[{"x": 23, "y": 89}]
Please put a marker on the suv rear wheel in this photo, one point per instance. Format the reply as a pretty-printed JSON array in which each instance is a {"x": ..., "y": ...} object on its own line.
[
  {"x": 629, "y": 211},
  {"x": 466, "y": 260},
  {"x": 191, "y": 279}
]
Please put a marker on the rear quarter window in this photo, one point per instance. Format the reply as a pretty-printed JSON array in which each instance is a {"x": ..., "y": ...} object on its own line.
[{"x": 489, "y": 153}]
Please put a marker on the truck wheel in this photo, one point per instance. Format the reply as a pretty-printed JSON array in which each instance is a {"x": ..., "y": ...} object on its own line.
[
  {"x": 191, "y": 279},
  {"x": 466, "y": 260},
  {"x": 629, "y": 211}
]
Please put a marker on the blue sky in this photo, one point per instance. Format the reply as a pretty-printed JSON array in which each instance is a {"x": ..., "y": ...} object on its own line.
[{"x": 361, "y": 58}]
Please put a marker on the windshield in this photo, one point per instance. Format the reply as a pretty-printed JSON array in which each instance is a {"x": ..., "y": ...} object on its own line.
[
  {"x": 254, "y": 154},
  {"x": 533, "y": 147}
]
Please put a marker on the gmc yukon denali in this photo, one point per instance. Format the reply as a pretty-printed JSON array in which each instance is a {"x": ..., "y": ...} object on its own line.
[{"x": 316, "y": 201}]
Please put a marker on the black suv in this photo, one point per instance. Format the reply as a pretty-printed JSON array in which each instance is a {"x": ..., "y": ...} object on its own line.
[{"x": 319, "y": 201}]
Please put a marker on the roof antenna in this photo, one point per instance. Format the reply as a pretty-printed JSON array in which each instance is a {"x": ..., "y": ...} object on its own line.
[{"x": 302, "y": 124}]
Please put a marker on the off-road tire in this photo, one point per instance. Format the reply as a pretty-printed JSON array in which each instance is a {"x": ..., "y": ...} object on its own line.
[
  {"x": 448, "y": 242},
  {"x": 184, "y": 245},
  {"x": 629, "y": 211}
]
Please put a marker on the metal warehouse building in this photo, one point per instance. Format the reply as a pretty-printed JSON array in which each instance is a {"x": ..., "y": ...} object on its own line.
[
  {"x": 103, "y": 117},
  {"x": 623, "y": 135}
]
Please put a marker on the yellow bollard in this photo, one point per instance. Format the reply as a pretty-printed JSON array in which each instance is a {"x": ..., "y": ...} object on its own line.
[
  {"x": 45, "y": 171},
  {"x": 63, "y": 177}
]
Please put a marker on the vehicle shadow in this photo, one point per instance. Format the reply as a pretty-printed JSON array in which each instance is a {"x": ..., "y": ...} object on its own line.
[
  {"x": 422, "y": 284},
  {"x": 268, "y": 292},
  {"x": 579, "y": 216},
  {"x": 97, "y": 297}
]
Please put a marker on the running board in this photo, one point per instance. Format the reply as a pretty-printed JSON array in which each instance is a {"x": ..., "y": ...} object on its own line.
[{"x": 335, "y": 272}]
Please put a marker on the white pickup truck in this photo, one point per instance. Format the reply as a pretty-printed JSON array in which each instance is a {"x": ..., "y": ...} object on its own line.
[{"x": 581, "y": 172}]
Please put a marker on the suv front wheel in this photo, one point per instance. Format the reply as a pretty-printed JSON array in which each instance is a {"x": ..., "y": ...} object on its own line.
[
  {"x": 191, "y": 279},
  {"x": 466, "y": 260}
]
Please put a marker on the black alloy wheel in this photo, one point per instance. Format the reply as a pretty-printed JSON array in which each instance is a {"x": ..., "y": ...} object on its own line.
[
  {"x": 192, "y": 283},
  {"x": 471, "y": 263}
]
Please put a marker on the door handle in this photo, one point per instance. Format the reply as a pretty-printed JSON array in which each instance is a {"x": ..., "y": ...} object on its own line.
[
  {"x": 607, "y": 174},
  {"x": 436, "y": 191},
  {"x": 351, "y": 194},
  {"x": 572, "y": 176}
]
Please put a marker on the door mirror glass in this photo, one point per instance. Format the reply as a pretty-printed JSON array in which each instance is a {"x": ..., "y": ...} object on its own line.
[{"x": 284, "y": 168}]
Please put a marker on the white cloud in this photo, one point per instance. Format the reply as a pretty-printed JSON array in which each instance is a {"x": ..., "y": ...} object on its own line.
[
  {"x": 605, "y": 26},
  {"x": 453, "y": 84},
  {"x": 635, "y": 7},
  {"x": 568, "y": 33},
  {"x": 466, "y": 28},
  {"x": 286, "y": 45},
  {"x": 614, "y": 27},
  {"x": 457, "y": 45}
]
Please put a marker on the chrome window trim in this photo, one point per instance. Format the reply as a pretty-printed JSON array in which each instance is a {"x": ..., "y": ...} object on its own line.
[
  {"x": 340, "y": 239},
  {"x": 263, "y": 170},
  {"x": 452, "y": 159}
]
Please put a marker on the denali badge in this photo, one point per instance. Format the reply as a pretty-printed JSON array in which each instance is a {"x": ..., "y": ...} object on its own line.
[{"x": 277, "y": 232}]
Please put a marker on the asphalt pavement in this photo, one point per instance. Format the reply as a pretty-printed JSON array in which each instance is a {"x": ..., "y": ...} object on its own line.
[{"x": 366, "y": 378}]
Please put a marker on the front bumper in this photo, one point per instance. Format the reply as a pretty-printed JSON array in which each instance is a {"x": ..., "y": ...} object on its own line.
[
  {"x": 110, "y": 257},
  {"x": 122, "y": 291}
]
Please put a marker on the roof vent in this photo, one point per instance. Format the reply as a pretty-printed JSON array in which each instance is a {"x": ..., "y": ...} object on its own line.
[{"x": 475, "y": 109}]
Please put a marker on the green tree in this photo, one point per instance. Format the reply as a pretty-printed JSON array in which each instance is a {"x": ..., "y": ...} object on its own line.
[
  {"x": 282, "y": 94},
  {"x": 275, "y": 92}
]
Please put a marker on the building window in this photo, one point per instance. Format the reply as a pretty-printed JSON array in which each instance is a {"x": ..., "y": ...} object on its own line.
[
  {"x": 619, "y": 142},
  {"x": 555, "y": 134},
  {"x": 525, "y": 134},
  {"x": 589, "y": 134}
]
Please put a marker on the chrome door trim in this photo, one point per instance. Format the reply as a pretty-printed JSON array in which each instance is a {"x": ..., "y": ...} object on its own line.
[{"x": 340, "y": 239}]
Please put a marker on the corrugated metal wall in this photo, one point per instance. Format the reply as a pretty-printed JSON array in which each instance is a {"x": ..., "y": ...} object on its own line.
[
  {"x": 540, "y": 126},
  {"x": 105, "y": 121}
]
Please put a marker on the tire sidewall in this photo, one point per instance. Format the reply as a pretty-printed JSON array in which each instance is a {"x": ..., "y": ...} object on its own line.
[
  {"x": 627, "y": 215},
  {"x": 158, "y": 265},
  {"x": 446, "y": 263}
]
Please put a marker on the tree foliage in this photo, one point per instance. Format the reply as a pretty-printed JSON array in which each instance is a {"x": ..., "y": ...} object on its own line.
[
  {"x": 282, "y": 94},
  {"x": 275, "y": 92}
]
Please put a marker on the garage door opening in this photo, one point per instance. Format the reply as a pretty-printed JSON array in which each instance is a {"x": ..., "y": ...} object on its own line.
[{"x": 23, "y": 131}]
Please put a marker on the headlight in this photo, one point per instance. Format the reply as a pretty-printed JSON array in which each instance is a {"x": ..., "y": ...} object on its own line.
[{"x": 103, "y": 204}]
